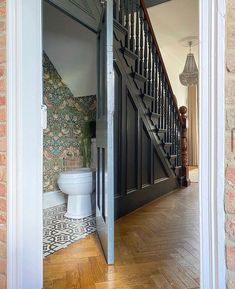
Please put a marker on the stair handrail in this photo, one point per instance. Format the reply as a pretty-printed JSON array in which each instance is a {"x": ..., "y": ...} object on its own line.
[{"x": 146, "y": 14}]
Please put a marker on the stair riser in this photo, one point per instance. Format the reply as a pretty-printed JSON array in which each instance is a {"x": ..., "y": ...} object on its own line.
[
  {"x": 166, "y": 148},
  {"x": 119, "y": 32}
]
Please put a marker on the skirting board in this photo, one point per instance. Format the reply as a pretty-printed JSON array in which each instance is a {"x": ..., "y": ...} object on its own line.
[{"x": 55, "y": 198}]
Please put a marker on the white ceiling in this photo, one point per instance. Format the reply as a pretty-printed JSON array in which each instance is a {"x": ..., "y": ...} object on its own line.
[
  {"x": 172, "y": 21},
  {"x": 72, "y": 49}
]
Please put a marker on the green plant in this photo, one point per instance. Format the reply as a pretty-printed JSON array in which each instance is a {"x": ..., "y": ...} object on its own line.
[{"x": 85, "y": 144}]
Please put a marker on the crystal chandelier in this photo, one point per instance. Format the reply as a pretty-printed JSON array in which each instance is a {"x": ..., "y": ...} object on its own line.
[{"x": 189, "y": 76}]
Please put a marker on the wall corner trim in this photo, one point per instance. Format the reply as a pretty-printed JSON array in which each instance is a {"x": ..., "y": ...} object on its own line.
[{"x": 211, "y": 143}]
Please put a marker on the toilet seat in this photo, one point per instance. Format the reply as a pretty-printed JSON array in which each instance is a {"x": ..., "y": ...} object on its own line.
[{"x": 79, "y": 173}]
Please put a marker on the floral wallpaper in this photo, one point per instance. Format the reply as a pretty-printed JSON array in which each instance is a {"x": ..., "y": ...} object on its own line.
[{"x": 66, "y": 114}]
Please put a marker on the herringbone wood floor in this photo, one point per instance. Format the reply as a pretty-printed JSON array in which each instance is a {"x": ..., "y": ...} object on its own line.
[{"x": 155, "y": 247}]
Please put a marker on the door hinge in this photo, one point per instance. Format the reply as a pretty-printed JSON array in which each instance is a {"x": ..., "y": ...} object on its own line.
[{"x": 44, "y": 116}]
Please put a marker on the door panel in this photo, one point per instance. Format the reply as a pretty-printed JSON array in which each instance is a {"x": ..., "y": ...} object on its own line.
[
  {"x": 146, "y": 157},
  {"x": 105, "y": 135}
]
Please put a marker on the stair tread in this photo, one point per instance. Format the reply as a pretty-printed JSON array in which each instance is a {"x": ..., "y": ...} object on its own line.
[
  {"x": 173, "y": 156},
  {"x": 167, "y": 143},
  {"x": 119, "y": 26},
  {"x": 138, "y": 76},
  {"x": 154, "y": 115},
  {"x": 161, "y": 130},
  {"x": 144, "y": 95},
  {"x": 129, "y": 53},
  {"x": 177, "y": 167}
]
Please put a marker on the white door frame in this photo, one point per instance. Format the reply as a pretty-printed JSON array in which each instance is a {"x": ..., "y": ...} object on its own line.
[{"x": 24, "y": 78}]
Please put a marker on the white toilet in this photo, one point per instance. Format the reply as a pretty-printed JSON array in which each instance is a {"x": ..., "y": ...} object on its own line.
[{"x": 79, "y": 185}]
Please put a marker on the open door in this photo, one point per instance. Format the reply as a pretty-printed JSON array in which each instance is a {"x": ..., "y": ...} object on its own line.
[{"x": 105, "y": 134}]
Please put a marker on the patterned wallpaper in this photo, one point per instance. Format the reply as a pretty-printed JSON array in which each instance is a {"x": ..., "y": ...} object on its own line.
[{"x": 66, "y": 115}]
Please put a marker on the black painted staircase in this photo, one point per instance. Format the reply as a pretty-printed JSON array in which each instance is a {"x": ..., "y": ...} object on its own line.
[
  {"x": 139, "y": 61},
  {"x": 135, "y": 39}
]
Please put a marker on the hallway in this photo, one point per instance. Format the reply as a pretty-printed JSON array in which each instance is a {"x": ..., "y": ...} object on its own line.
[{"x": 156, "y": 246}]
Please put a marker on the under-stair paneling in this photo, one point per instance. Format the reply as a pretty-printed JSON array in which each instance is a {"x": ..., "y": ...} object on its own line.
[
  {"x": 146, "y": 157},
  {"x": 158, "y": 169},
  {"x": 131, "y": 143},
  {"x": 142, "y": 176}
]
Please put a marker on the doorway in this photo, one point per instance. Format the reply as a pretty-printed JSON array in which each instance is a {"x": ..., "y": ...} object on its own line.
[{"x": 33, "y": 262}]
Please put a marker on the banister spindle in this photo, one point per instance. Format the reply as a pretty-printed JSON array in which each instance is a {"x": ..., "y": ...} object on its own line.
[
  {"x": 145, "y": 53},
  {"x": 137, "y": 28},
  {"x": 157, "y": 89},
  {"x": 166, "y": 111},
  {"x": 179, "y": 140},
  {"x": 127, "y": 5},
  {"x": 141, "y": 70},
  {"x": 172, "y": 129},
  {"x": 160, "y": 94},
  {"x": 132, "y": 40},
  {"x": 154, "y": 75},
  {"x": 121, "y": 12},
  {"x": 184, "y": 148},
  {"x": 173, "y": 132},
  {"x": 168, "y": 114},
  {"x": 149, "y": 62},
  {"x": 115, "y": 9},
  {"x": 163, "y": 103}
]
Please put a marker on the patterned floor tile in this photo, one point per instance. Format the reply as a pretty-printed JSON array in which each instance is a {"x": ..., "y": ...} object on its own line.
[{"x": 59, "y": 231}]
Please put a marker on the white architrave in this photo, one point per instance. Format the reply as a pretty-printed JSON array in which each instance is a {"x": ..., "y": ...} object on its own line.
[
  {"x": 24, "y": 78},
  {"x": 211, "y": 143},
  {"x": 24, "y": 96}
]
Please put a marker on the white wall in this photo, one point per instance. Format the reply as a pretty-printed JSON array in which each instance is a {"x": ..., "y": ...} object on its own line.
[
  {"x": 173, "y": 21},
  {"x": 72, "y": 49}
]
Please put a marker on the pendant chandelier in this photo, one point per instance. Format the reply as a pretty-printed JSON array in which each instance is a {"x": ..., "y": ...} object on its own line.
[{"x": 189, "y": 76}]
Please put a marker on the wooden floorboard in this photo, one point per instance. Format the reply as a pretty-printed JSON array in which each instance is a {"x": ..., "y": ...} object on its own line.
[{"x": 156, "y": 246}]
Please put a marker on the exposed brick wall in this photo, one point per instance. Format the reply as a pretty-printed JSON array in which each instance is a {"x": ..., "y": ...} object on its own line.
[{"x": 229, "y": 152}]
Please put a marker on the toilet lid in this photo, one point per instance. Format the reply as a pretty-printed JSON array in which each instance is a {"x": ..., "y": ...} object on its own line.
[{"x": 83, "y": 172}]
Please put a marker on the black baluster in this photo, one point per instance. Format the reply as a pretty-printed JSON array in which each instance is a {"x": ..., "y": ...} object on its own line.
[
  {"x": 145, "y": 53},
  {"x": 179, "y": 141},
  {"x": 132, "y": 40},
  {"x": 170, "y": 120},
  {"x": 157, "y": 89},
  {"x": 137, "y": 36},
  {"x": 165, "y": 108},
  {"x": 172, "y": 124},
  {"x": 149, "y": 62},
  {"x": 160, "y": 92},
  {"x": 153, "y": 76},
  {"x": 127, "y": 5},
  {"x": 167, "y": 112},
  {"x": 175, "y": 140},
  {"x": 121, "y": 13},
  {"x": 163, "y": 102},
  {"x": 174, "y": 128},
  {"x": 141, "y": 41},
  {"x": 115, "y": 6}
]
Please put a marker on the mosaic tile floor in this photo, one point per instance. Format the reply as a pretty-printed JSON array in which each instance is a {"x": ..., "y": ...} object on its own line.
[{"x": 59, "y": 231}]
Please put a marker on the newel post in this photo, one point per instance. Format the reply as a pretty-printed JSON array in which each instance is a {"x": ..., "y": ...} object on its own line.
[{"x": 184, "y": 148}]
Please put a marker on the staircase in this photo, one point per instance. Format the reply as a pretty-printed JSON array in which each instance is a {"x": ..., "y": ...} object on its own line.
[{"x": 159, "y": 137}]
